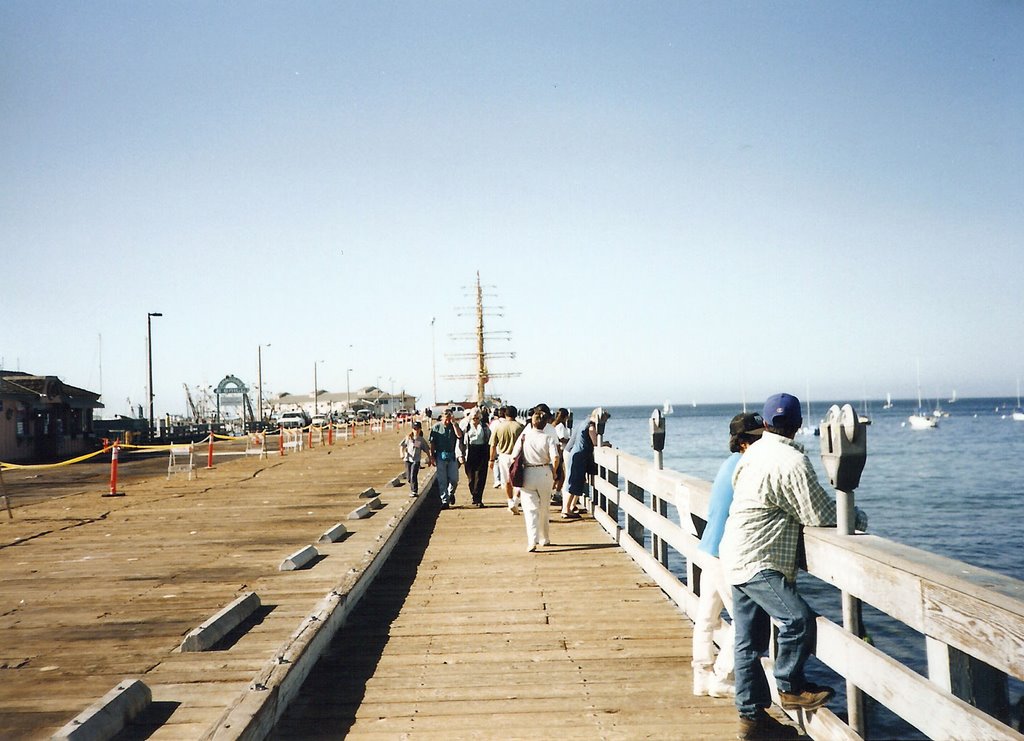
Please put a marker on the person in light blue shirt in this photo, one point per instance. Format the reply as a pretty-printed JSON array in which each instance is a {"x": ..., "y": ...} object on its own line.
[
  {"x": 445, "y": 438},
  {"x": 713, "y": 676}
]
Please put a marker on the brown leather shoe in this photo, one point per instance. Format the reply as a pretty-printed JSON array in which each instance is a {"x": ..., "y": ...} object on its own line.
[
  {"x": 752, "y": 728},
  {"x": 765, "y": 728},
  {"x": 811, "y": 697}
]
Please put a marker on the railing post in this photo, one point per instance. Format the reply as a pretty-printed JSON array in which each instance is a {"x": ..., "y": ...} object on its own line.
[
  {"x": 634, "y": 527},
  {"x": 612, "y": 477},
  {"x": 659, "y": 549},
  {"x": 970, "y": 679}
]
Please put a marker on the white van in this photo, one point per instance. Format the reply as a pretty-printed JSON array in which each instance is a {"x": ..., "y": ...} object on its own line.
[{"x": 293, "y": 419}]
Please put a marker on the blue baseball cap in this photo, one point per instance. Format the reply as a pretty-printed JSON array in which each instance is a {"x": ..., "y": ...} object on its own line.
[{"x": 782, "y": 410}]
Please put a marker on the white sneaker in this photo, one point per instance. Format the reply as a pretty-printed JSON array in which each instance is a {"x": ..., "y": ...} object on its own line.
[
  {"x": 718, "y": 687},
  {"x": 701, "y": 680}
]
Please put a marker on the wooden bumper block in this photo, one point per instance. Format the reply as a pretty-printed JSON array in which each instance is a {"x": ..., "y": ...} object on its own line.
[
  {"x": 109, "y": 715},
  {"x": 334, "y": 534},
  {"x": 218, "y": 626},
  {"x": 365, "y": 510},
  {"x": 299, "y": 559}
]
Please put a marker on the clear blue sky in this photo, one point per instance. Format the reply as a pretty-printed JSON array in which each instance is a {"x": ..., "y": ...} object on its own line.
[{"x": 691, "y": 201}]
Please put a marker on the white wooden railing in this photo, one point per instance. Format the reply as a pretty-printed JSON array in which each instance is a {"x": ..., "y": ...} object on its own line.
[{"x": 972, "y": 619}]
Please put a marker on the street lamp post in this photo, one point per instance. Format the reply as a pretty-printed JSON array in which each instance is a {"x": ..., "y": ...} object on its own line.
[
  {"x": 259, "y": 378},
  {"x": 149, "y": 356},
  {"x": 348, "y": 392},
  {"x": 316, "y": 391}
]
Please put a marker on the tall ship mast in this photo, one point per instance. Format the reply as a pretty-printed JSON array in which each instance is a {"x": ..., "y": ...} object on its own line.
[{"x": 482, "y": 375}]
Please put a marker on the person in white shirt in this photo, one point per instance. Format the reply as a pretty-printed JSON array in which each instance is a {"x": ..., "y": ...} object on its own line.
[
  {"x": 496, "y": 421},
  {"x": 412, "y": 448},
  {"x": 541, "y": 458},
  {"x": 561, "y": 427},
  {"x": 476, "y": 439}
]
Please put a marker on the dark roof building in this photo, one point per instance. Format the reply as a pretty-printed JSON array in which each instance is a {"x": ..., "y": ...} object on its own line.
[{"x": 44, "y": 419}]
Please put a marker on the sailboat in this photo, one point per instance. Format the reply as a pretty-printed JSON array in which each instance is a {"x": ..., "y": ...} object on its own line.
[
  {"x": 921, "y": 420},
  {"x": 667, "y": 408},
  {"x": 808, "y": 428},
  {"x": 888, "y": 401},
  {"x": 865, "y": 416},
  {"x": 1018, "y": 412}
]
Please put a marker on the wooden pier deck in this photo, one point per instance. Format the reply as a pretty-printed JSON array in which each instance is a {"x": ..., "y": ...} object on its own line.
[
  {"x": 464, "y": 633},
  {"x": 96, "y": 589}
]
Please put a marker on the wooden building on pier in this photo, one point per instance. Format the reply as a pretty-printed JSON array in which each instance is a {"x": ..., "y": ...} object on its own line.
[{"x": 42, "y": 418}]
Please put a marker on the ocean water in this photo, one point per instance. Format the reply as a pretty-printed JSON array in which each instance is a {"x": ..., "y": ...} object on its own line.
[{"x": 952, "y": 490}]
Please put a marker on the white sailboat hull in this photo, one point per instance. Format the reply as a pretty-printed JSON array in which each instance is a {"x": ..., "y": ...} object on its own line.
[{"x": 922, "y": 421}]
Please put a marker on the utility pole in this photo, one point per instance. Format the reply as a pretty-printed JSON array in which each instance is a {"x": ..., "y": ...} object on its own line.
[
  {"x": 149, "y": 354},
  {"x": 433, "y": 354}
]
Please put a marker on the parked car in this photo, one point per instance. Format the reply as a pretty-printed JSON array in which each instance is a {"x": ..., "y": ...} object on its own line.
[
  {"x": 319, "y": 421},
  {"x": 293, "y": 419}
]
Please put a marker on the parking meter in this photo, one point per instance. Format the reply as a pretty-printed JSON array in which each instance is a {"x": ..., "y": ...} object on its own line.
[
  {"x": 844, "y": 451},
  {"x": 657, "y": 431},
  {"x": 844, "y": 447},
  {"x": 602, "y": 419}
]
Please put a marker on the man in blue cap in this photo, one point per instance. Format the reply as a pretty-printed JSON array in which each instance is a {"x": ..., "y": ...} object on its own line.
[{"x": 776, "y": 491}]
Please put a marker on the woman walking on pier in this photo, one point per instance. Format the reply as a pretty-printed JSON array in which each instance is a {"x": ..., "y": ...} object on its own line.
[
  {"x": 539, "y": 448},
  {"x": 560, "y": 425},
  {"x": 477, "y": 437},
  {"x": 412, "y": 448}
]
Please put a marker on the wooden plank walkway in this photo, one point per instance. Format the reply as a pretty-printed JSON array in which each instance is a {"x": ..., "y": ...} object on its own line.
[
  {"x": 465, "y": 634},
  {"x": 96, "y": 589}
]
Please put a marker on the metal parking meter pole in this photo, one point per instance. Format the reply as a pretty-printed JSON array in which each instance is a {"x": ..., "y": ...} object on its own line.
[
  {"x": 657, "y": 436},
  {"x": 659, "y": 548},
  {"x": 843, "y": 453}
]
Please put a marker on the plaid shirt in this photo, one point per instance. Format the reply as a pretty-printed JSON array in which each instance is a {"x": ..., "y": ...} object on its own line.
[{"x": 775, "y": 492}]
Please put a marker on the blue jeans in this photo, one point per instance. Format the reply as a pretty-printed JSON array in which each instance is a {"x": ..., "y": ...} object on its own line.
[
  {"x": 412, "y": 475},
  {"x": 769, "y": 595},
  {"x": 447, "y": 479}
]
